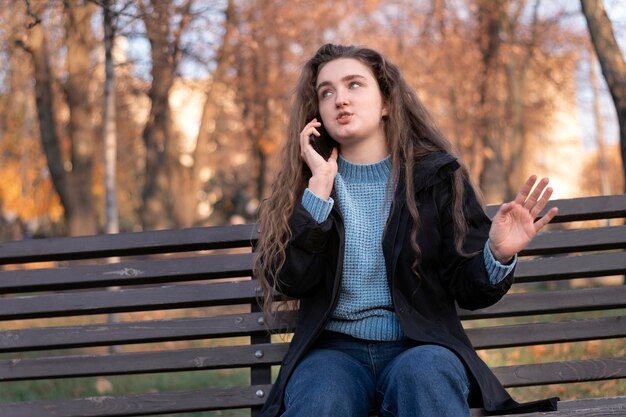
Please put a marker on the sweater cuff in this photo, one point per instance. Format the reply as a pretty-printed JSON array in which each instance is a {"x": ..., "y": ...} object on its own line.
[
  {"x": 497, "y": 271},
  {"x": 319, "y": 209}
]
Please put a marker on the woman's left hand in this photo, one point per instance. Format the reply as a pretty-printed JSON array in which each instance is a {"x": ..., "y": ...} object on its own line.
[{"x": 514, "y": 225}]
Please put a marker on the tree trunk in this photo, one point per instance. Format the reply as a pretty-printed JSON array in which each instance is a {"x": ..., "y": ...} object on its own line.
[
  {"x": 45, "y": 103},
  {"x": 71, "y": 179},
  {"x": 487, "y": 147},
  {"x": 161, "y": 162},
  {"x": 109, "y": 122},
  {"x": 255, "y": 66},
  {"x": 78, "y": 89},
  {"x": 612, "y": 63},
  {"x": 156, "y": 134},
  {"x": 517, "y": 78}
]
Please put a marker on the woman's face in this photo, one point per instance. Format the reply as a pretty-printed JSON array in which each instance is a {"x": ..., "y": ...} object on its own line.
[{"x": 350, "y": 103}]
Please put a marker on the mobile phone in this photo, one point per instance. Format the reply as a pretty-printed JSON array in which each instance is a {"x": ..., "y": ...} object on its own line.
[{"x": 323, "y": 144}]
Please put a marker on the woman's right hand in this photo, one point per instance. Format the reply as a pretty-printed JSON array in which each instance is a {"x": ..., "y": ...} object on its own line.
[{"x": 323, "y": 172}]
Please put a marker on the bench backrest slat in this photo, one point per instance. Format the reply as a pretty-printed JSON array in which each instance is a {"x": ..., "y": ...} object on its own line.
[
  {"x": 552, "y": 302},
  {"x": 549, "y": 332},
  {"x": 578, "y": 266},
  {"x": 582, "y": 208},
  {"x": 141, "y": 404},
  {"x": 561, "y": 372},
  {"x": 149, "y": 331},
  {"x": 577, "y": 240},
  {"x": 142, "y": 362},
  {"x": 244, "y": 292},
  {"x": 127, "y": 244},
  {"x": 126, "y": 273},
  {"x": 138, "y": 299},
  {"x": 248, "y": 324}
]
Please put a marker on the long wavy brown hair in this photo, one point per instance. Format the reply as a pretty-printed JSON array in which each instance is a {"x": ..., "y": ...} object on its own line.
[{"x": 410, "y": 133}]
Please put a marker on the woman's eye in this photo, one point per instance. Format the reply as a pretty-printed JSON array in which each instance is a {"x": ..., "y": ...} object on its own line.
[
  {"x": 325, "y": 93},
  {"x": 354, "y": 84}
]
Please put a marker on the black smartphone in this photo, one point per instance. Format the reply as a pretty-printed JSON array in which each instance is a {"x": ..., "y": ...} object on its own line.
[{"x": 323, "y": 144}]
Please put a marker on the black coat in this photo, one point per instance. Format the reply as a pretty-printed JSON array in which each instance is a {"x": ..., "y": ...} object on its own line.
[{"x": 426, "y": 305}]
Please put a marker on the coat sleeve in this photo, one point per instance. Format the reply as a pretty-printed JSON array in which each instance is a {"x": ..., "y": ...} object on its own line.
[
  {"x": 306, "y": 260},
  {"x": 465, "y": 274}
]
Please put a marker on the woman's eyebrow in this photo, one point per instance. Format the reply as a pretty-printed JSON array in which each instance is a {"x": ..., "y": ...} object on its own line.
[{"x": 344, "y": 79}]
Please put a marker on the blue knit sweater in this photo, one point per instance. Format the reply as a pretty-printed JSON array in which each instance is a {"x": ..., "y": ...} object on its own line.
[{"x": 364, "y": 309}]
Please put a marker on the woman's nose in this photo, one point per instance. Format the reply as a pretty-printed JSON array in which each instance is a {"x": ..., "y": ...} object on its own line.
[{"x": 341, "y": 98}]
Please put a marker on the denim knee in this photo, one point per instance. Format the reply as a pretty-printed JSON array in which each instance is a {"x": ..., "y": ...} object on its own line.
[
  {"x": 424, "y": 365},
  {"x": 331, "y": 381},
  {"x": 424, "y": 381}
]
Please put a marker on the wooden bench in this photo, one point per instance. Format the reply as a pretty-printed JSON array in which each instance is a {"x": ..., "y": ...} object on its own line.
[{"x": 184, "y": 304}]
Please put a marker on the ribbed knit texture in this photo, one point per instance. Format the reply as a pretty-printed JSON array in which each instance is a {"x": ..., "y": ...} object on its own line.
[
  {"x": 318, "y": 208},
  {"x": 497, "y": 271},
  {"x": 364, "y": 309}
]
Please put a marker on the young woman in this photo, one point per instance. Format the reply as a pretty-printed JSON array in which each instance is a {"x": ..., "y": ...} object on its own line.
[{"x": 377, "y": 244}]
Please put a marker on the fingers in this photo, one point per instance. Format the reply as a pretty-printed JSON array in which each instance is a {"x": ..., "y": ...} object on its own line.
[
  {"x": 536, "y": 200},
  {"x": 525, "y": 190},
  {"x": 305, "y": 135},
  {"x": 539, "y": 224},
  {"x": 542, "y": 199},
  {"x": 535, "y": 196}
]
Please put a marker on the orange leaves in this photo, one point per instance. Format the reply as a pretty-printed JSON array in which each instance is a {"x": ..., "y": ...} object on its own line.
[{"x": 27, "y": 192}]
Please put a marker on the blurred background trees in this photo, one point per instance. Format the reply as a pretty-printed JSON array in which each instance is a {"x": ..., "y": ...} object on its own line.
[{"x": 199, "y": 93}]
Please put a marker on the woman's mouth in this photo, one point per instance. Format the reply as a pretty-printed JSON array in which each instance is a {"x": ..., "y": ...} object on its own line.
[{"x": 344, "y": 117}]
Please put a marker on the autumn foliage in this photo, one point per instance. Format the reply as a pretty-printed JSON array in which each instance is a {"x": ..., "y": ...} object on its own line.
[{"x": 202, "y": 90}]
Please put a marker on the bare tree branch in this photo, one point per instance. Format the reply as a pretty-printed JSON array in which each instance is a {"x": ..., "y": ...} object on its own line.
[{"x": 30, "y": 13}]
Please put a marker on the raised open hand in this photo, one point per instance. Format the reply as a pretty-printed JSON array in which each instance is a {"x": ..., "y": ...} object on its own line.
[{"x": 514, "y": 225}]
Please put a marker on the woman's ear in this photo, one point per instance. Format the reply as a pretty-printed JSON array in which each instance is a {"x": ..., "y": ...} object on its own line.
[{"x": 385, "y": 111}]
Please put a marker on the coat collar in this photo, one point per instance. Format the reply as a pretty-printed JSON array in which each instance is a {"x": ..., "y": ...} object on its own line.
[{"x": 432, "y": 169}]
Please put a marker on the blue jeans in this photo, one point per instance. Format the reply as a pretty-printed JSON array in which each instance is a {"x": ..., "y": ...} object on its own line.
[{"x": 347, "y": 377}]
